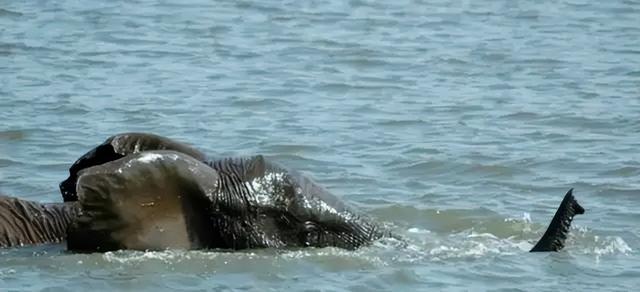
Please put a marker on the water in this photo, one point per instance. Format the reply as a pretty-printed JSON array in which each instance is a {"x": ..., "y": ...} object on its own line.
[{"x": 460, "y": 124}]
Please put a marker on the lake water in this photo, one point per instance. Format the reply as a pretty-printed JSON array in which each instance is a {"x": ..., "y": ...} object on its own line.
[{"x": 460, "y": 124}]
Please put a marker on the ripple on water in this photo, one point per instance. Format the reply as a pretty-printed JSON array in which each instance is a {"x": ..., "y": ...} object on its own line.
[
  {"x": 443, "y": 118},
  {"x": 12, "y": 135}
]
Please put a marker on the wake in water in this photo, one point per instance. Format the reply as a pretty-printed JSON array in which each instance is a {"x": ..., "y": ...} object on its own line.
[
  {"x": 419, "y": 246},
  {"x": 468, "y": 240}
]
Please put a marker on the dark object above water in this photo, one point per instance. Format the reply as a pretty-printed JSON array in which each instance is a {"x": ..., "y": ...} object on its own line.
[
  {"x": 116, "y": 147},
  {"x": 163, "y": 199},
  {"x": 553, "y": 239},
  {"x": 146, "y": 192}
]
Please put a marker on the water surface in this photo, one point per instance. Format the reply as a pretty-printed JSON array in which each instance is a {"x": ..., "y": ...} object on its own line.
[{"x": 460, "y": 124}]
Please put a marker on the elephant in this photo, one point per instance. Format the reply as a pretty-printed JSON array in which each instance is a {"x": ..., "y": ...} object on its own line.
[
  {"x": 119, "y": 146},
  {"x": 25, "y": 222},
  {"x": 146, "y": 192}
]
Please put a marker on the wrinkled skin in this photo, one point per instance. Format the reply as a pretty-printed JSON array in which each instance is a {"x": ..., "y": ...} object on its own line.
[
  {"x": 24, "y": 222},
  {"x": 255, "y": 204},
  {"x": 137, "y": 201},
  {"x": 146, "y": 192}
]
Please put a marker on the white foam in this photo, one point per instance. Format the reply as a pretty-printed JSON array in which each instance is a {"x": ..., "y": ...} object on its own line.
[
  {"x": 612, "y": 244},
  {"x": 526, "y": 217},
  {"x": 482, "y": 235},
  {"x": 418, "y": 230},
  {"x": 166, "y": 256}
]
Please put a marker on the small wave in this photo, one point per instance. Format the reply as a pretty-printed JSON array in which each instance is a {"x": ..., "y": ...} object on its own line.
[
  {"x": 625, "y": 171},
  {"x": 337, "y": 258},
  {"x": 4, "y": 162},
  {"x": 9, "y": 13},
  {"x": 533, "y": 61},
  {"x": 451, "y": 60},
  {"x": 609, "y": 245},
  {"x": 454, "y": 169},
  {"x": 15, "y": 48},
  {"x": 473, "y": 244},
  {"x": 401, "y": 122},
  {"x": 260, "y": 102},
  {"x": 6, "y": 272},
  {"x": 472, "y": 249},
  {"x": 465, "y": 235},
  {"x": 464, "y": 245},
  {"x": 291, "y": 148},
  {"x": 522, "y": 116},
  {"x": 139, "y": 256}
]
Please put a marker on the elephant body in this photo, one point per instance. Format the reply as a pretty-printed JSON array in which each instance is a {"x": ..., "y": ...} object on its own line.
[
  {"x": 136, "y": 201},
  {"x": 146, "y": 192}
]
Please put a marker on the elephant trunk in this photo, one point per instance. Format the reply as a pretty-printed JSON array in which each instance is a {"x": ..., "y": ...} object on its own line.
[{"x": 25, "y": 222}]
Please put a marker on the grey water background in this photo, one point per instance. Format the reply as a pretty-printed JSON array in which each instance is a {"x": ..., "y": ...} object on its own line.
[{"x": 460, "y": 124}]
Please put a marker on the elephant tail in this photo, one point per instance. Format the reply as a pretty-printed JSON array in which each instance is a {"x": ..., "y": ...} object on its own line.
[{"x": 553, "y": 239}]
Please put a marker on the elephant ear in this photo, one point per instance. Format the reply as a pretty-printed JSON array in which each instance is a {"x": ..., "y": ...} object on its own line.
[
  {"x": 116, "y": 147},
  {"x": 147, "y": 201}
]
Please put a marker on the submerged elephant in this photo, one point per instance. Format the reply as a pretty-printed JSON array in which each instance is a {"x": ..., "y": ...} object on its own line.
[{"x": 146, "y": 192}]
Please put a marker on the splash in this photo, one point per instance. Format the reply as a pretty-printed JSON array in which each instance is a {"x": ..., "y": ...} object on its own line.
[
  {"x": 417, "y": 245},
  {"x": 167, "y": 256},
  {"x": 124, "y": 257},
  {"x": 610, "y": 245}
]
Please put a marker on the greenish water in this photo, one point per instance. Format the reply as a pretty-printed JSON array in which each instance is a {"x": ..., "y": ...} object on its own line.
[{"x": 461, "y": 124}]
